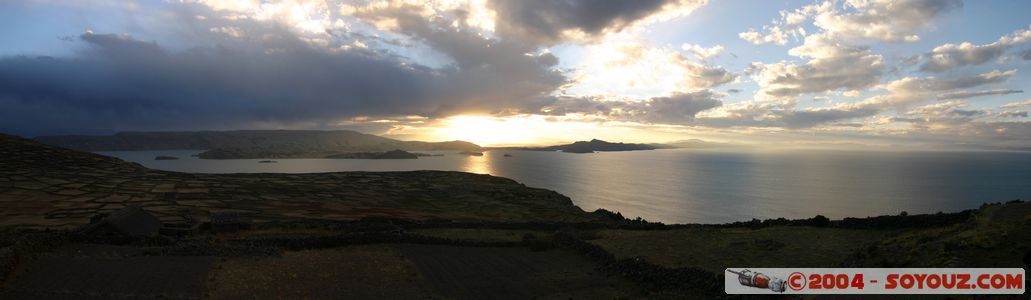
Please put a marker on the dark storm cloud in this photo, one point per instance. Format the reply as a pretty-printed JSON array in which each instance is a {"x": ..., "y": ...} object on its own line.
[
  {"x": 271, "y": 77},
  {"x": 505, "y": 71},
  {"x": 544, "y": 21}
]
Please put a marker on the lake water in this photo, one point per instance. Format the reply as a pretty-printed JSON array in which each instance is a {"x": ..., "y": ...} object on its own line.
[{"x": 707, "y": 186}]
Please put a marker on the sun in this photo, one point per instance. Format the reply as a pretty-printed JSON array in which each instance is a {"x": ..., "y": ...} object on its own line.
[{"x": 487, "y": 131}]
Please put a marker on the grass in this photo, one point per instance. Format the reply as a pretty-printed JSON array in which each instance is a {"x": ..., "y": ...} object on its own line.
[
  {"x": 359, "y": 272},
  {"x": 477, "y": 234},
  {"x": 717, "y": 249},
  {"x": 996, "y": 237}
]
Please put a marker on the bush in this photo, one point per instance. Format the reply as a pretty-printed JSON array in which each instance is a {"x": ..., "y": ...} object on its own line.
[{"x": 820, "y": 221}]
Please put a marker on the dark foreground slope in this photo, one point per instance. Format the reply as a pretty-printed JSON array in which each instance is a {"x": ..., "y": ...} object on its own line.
[
  {"x": 512, "y": 242},
  {"x": 46, "y": 185},
  {"x": 252, "y": 143}
]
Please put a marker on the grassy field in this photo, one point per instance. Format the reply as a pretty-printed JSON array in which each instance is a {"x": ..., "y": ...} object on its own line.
[
  {"x": 717, "y": 249},
  {"x": 479, "y": 234},
  {"x": 358, "y": 272},
  {"x": 408, "y": 271},
  {"x": 998, "y": 236},
  {"x": 446, "y": 269},
  {"x": 85, "y": 271},
  {"x": 513, "y": 273}
]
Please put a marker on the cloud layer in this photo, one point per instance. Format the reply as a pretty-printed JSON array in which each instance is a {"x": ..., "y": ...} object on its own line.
[{"x": 830, "y": 68}]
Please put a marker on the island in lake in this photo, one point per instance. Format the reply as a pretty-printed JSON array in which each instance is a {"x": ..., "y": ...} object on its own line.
[
  {"x": 88, "y": 225},
  {"x": 595, "y": 145}
]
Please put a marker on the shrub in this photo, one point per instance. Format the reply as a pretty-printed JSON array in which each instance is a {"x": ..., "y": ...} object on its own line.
[{"x": 820, "y": 221}]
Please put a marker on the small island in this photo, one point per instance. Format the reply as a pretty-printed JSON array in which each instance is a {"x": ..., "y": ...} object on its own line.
[
  {"x": 596, "y": 145},
  {"x": 164, "y": 157},
  {"x": 471, "y": 153}
]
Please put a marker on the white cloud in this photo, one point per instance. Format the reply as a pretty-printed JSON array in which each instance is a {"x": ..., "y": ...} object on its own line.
[
  {"x": 950, "y": 56},
  {"x": 1017, "y": 104},
  {"x": 911, "y": 90},
  {"x": 702, "y": 53},
  {"x": 883, "y": 20},
  {"x": 831, "y": 67},
  {"x": 632, "y": 68},
  {"x": 774, "y": 35},
  {"x": 308, "y": 16},
  {"x": 838, "y": 59},
  {"x": 789, "y": 25},
  {"x": 852, "y": 20}
]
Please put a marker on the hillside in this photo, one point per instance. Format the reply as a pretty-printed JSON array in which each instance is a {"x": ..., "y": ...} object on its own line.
[
  {"x": 252, "y": 143},
  {"x": 42, "y": 185}
]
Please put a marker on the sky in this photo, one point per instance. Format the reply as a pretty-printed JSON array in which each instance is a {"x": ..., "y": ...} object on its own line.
[{"x": 864, "y": 74}]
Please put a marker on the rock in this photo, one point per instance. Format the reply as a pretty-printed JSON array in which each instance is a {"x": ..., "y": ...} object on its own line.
[{"x": 130, "y": 221}]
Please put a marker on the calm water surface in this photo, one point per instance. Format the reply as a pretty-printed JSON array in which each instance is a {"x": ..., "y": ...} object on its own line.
[{"x": 705, "y": 186}]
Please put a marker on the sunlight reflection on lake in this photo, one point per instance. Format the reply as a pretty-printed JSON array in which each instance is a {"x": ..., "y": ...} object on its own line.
[{"x": 477, "y": 164}]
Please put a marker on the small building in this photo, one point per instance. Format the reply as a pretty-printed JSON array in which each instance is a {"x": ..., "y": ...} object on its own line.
[{"x": 130, "y": 221}]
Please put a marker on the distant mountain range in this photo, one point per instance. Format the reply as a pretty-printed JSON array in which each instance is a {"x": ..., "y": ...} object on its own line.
[
  {"x": 252, "y": 143},
  {"x": 596, "y": 145}
]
